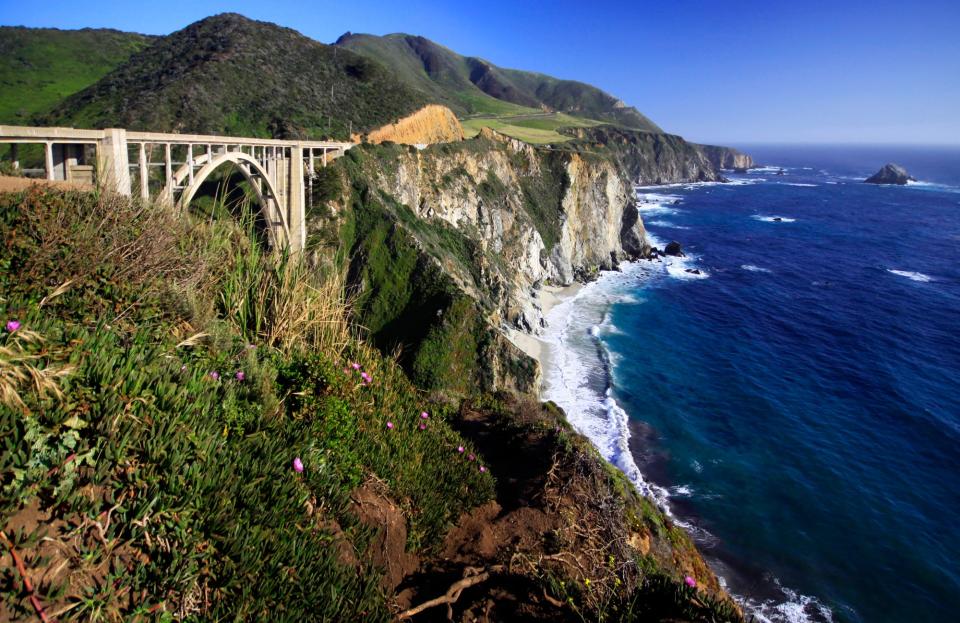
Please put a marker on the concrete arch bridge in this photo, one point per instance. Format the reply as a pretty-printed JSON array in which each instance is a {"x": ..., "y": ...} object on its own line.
[{"x": 170, "y": 168}]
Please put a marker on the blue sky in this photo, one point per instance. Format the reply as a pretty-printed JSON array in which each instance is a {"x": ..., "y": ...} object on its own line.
[{"x": 731, "y": 71}]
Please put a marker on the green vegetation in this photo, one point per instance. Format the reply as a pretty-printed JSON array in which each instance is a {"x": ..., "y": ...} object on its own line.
[
  {"x": 230, "y": 75},
  {"x": 165, "y": 489},
  {"x": 537, "y": 131},
  {"x": 470, "y": 85},
  {"x": 39, "y": 67}
]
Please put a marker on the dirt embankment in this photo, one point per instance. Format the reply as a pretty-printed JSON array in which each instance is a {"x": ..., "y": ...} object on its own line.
[{"x": 431, "y": 124}]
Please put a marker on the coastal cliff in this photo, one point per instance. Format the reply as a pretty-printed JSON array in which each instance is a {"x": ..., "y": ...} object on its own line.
[
  {"x": 471, "y": 232},
  {"x": 727, "y": 157}
]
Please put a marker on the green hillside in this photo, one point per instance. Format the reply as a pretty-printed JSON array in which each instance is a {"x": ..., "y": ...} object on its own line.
[
  {"x": 39, "y": 67},
  {"x": 473, "y": 86},
  {"x": 232, "y": 75}
]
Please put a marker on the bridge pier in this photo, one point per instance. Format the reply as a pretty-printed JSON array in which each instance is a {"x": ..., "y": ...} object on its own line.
[{"x": 113, "y": 162}]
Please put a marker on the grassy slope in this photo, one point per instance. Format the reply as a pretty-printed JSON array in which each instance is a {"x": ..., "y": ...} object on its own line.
[
  {"x": 536, "y": 128},
  {"x": 228, "y": 74},
  {"x": 139, "y": 486},
  {"x": 468, "y": 84},
  {"x": 194, "y": 473},
  {"x": 39, "y": 67}
]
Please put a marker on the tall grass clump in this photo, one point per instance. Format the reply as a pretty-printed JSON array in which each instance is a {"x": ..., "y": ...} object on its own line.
[{"x": 147, "y": 461}]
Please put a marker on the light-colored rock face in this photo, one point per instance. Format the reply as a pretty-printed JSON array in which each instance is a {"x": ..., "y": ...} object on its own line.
[
  {"x": 431, "y": 124},
  {"x": 481, "y": 192}
]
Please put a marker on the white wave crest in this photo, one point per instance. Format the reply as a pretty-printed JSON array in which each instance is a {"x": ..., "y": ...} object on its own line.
[
  {"x": 773, "y": 218},
  {"x": 754, "y": 269},
  {"x": 909, "y": 274},
  {"x": 799, "y": 184}
]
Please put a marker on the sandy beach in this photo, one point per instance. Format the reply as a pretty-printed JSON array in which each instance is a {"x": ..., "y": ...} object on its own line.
[{"x": 533, "y": 345}]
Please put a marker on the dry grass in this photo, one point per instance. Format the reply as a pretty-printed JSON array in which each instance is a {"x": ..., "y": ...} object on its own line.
[{"x": 20, "y": 372}]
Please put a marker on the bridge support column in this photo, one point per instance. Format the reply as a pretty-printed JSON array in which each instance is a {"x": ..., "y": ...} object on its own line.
[
  {"x": 113, "y": 162},
  {"x": 296, "y": 215}
]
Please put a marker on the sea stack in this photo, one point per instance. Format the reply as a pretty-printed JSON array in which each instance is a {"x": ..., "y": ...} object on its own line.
[{"x": 890, "y": 174}]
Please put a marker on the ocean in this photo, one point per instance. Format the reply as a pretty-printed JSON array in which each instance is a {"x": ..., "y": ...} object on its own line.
[{"x": 790, "y": 391}]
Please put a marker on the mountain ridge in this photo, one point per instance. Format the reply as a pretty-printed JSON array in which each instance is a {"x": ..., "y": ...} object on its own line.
[{"x": 438, "y": 69}]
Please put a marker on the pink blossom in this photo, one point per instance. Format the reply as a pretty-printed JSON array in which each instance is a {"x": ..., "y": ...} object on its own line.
[
  {"x": 460, "y": 449},
  {"x": 13, "y": 325},
  {"x": 690, "y": 582},
  {"x": 482, "y": 469},
  {"x": 470, "y": 457},
  {"x": 389, "y": 424},
  {"x": 251, "y": 346},
  {"x": 183, "y": 368},
  {"x": 366, "y": 377},
  {"x": 215, "y": 375},
  {"x": 355, "y": 365},
  {"x": 240, "y": 376},
  {"x": 297, "y": 465},
  {"x": 423, "y": 426},
  {"x": 424, "y": 415}
]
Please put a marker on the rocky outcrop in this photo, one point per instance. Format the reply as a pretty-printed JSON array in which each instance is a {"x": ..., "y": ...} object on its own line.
[
  {"x": 431, "y": 124},
  {"x": 890, "y": 174},
  {"x": 727, "y": 158},
  {"x": 648, "y": 158}
]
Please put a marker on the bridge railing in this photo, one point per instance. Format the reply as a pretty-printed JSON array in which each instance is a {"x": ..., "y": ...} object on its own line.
[{"x": 115, "y": 158}]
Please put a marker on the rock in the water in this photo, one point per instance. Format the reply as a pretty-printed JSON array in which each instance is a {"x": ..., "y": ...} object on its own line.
[
  {"x": 674, "y": 249},
  {"x": 777, "y": 219},
  {"x": 890, "y": 174}
]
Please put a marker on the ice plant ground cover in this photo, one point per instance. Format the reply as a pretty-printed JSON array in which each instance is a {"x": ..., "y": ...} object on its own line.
[{"x": 181, "y": 459}]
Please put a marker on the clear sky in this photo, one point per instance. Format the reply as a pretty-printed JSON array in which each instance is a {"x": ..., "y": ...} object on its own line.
[{"x": 726, "y": 71}]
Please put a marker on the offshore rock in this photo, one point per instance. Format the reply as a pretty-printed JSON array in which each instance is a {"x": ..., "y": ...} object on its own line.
[{"x": 890, "y": 174}]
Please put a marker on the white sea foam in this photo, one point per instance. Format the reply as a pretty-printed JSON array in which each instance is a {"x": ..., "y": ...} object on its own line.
[
  {"x": 773, "y": 218},
  {"x": 909, "y": 274},
  {"x": 800, "y": 184},
  {"x": 575, "y": 375},
  {"x": 794, "y": 608},
  {"x": 681, "y": 491},
  {"x": 770, "y": 168},
  {"x": 662, "y": 223},
  {"x": 754, "y": 269}
]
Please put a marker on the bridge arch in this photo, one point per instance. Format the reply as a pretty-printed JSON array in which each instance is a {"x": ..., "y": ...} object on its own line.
[{"x": 278, "y": 230}]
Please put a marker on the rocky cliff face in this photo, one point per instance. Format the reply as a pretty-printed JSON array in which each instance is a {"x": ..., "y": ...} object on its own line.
[
  {"x": 648, "y": 158},
  {"x": 727, "y": 157},
  {"x": 431, "y": 124},
  {"x": 537, "y": 216}
]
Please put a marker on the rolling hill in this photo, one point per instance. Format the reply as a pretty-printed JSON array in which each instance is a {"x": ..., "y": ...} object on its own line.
[
  {"x": 474, "y": 86},
  {"x": 39, "y": 67},
  {"x": 228, "y": 74}
]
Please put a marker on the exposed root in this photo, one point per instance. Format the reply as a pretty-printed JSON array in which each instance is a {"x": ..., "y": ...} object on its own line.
[{"x": 472, "y": 577}]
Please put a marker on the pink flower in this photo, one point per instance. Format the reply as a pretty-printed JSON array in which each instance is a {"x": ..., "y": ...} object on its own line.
[
  {"x": 183, "y": 368},
  {"x": 240, "y": 375},
  {"x": 13, "y": 325},
  {"x": 355, "y": 365},
  {"x": 366, "y": 378},
  {"x": 470, "y": 457},
  {"x": 297, "y": 465},
  {"x": 423, "y": 426},
  {"x": 215, "y": 375},
  {"x": 424, "y": 415},
  {"x": 251, "y": 346},
  {"x": 460, "y": 449},
  {"x": 390, "y": 425},
  {"x": 482, "y": 469},
  {"x": 690, "y": 582}
]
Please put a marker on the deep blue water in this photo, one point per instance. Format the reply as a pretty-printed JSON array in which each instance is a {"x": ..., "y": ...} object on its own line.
[{"x": 798, "y": 401}]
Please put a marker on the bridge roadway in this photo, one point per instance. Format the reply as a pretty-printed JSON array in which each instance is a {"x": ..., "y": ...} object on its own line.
[{"x": 169, "y": 168}]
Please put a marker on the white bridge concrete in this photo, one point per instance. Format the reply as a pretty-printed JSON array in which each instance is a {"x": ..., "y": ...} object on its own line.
[{"x": 170, "y": 168}]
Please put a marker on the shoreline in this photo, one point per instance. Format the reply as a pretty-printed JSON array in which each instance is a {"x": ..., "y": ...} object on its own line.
[{"x": 535, "y": 346}]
